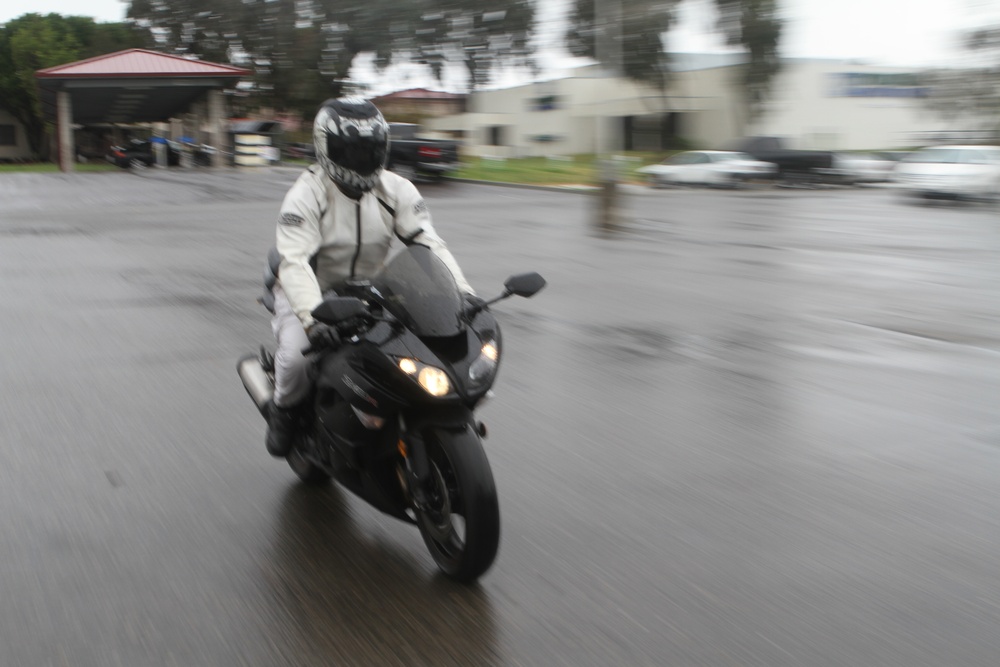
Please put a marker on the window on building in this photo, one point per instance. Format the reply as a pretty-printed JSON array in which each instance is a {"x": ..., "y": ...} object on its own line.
[
  {"x": 8, "y": 135},
  {"x": 495, "y": 135},
  {"x": 544, "y": 103}
]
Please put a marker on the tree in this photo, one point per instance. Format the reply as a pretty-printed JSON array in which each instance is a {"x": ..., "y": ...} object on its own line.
[
  {"x": 301, "y": 51},
  {"x": 755, "y": 26},
  {"x": 968, "y": 98},
  {"x": 751, "y": 24},
  {"x": 32, "y": 42},
  {"x": 634, "y": 46},
  {"x": 461, "y": 31}
]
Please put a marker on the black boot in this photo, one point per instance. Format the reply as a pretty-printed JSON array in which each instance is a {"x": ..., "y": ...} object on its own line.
[{"x": 280, "y": 430}]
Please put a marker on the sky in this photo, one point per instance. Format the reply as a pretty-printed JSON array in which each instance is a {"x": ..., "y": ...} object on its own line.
[{"x": 906, "y": 33}]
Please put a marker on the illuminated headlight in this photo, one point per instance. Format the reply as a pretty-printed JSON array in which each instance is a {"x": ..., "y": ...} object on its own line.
[
  {"x": 483, "y": 368},
  {"x": 433, "y": 380}
]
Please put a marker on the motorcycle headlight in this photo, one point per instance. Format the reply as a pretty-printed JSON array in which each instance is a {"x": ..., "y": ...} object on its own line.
[
  {"x": 433, "y": 380},
  {"x": 483, "y": 368}
]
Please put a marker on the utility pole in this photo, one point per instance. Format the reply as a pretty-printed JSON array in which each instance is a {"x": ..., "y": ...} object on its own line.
[{"x": 608, "y": 47}]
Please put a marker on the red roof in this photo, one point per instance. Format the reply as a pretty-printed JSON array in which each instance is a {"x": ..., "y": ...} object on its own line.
[
  {"x": 420, "y": 94},
  {"x": 138, "y": 63}
]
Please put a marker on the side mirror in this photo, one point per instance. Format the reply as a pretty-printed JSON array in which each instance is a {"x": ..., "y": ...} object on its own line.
[
  {"x": 338, "y": 309},
  {"x": 525, "y": 284}
]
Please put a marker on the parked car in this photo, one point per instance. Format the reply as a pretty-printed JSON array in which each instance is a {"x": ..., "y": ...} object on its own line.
[
  {"x": 951, "y": 172},
  {"x": 139, "y": 153},
  {"x": 300, "y": 151},
  {"x": 415, "y": 157},
  {"x": 135, "y": 154},
  {"x": 793, "y": 166},
  {"x": 862, "y": 168},
  {"x": 713, "y": 168}
]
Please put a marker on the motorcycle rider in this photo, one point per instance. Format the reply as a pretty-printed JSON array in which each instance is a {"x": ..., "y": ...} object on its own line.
[{"x": 336, "y": 223}]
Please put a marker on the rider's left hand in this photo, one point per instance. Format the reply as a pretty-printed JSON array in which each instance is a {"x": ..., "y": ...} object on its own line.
[{"x": 323, "y": 336}]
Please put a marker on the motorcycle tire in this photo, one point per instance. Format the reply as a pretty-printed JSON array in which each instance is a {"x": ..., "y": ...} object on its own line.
[{"x": 461, "y": 528}]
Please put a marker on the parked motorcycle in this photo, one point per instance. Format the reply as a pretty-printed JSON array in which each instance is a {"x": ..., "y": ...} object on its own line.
[{"x": 391, "y": 417}]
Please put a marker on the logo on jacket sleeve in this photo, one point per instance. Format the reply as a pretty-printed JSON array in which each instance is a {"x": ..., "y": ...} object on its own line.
[
  {"x": 419, "y": 207},
  {"x": 290, "y": 219}
]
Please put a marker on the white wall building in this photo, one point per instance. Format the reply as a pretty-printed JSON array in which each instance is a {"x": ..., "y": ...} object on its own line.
[
  {"x": 559, "y": 117},
  {"x": 815, "y": 104},
  {"x": 837, "y": 105}
]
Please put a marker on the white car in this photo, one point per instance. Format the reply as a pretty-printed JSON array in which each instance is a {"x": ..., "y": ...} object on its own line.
[
  {"x": 856, "y": 168},
  {"x": 951, "y": 172},
  {"x": 718, "y": 168}
]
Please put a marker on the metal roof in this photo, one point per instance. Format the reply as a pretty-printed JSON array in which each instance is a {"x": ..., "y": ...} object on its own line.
[
  {"x": 420, "y": 94},
  {"x": 138, "y": 63},
  {"x": 132, "y": 86}
]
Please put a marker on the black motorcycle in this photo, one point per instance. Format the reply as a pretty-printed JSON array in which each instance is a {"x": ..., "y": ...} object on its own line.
[{"x": 391, "y": 415}]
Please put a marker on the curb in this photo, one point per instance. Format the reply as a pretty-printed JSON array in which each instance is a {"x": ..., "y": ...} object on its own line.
[{"x": 580, "y": 189}]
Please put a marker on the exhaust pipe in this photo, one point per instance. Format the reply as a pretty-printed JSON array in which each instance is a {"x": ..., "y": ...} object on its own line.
[{"x": 256, "y": 381}]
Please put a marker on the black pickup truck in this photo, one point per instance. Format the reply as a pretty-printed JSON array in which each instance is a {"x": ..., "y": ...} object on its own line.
[
  {"x": 416, "y": 158},
  {"x": 794, "y": 166}
]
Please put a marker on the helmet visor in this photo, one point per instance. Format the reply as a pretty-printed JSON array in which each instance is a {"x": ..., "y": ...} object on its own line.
[{"x": 362, "y": 154}]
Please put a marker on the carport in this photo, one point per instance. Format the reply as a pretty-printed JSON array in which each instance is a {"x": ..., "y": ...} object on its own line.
[{"x": 135, "y": 86}]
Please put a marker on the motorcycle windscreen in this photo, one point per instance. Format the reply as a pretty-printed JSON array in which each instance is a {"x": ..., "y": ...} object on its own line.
[{"x": 421, "y": 292}]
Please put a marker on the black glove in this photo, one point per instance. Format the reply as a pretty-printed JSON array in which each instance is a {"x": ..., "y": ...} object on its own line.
[{"x": 323, "y": 336}]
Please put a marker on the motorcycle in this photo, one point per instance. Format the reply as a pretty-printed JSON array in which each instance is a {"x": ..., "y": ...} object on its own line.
[{"x": 392, "y": 418}]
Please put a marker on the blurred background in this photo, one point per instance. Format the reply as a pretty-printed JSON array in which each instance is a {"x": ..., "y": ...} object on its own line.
[
  {"x": 751, "y": 421},
  {"x": 535, "y": 78}
]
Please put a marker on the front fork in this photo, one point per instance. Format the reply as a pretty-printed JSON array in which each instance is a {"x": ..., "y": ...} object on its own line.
[
  {"x": 418, "y": 468},
  {"x": 413, "y": 448}
]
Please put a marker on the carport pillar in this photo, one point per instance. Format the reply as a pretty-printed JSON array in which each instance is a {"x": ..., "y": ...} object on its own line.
[
  {"x": 178, "y": 131},
  {"x": 215, "y": 114},
  {"x": 64, "y": 125}
]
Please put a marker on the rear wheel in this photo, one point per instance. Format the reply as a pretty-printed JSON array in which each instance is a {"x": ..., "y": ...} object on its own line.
[{"x": 461, "y": 525}]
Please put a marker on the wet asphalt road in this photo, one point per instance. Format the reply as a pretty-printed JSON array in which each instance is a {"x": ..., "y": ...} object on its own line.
[{"x": 750, "y": 428}]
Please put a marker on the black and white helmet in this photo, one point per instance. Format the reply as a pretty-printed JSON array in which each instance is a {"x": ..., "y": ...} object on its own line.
[{"x": 352, "y": 142}]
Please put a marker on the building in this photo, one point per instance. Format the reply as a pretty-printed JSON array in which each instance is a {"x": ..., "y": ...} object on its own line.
[
  {"x": 837, "y": 105},
  {"x": 416, "y": 104},
  {"x": 13, "y": 141},
  {"x": 815, "y": 104},
  {"x": 135, "y": 86},
  {"x": 558, "y": 117}
]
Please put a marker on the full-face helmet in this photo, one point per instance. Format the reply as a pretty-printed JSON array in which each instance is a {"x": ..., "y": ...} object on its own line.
[{"x": 352, "y": 142}]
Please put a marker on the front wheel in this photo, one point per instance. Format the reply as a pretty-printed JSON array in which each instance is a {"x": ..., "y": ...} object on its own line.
[{"x": 461, "y": 523}]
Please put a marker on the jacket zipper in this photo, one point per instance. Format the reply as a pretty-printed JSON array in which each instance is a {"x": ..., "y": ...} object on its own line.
[{"x": 357, "y": 251}]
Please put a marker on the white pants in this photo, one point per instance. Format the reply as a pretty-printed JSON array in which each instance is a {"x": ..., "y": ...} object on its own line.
[{"x": 291, "y": 381}]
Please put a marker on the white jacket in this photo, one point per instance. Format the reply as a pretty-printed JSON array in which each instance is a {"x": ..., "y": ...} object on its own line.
[{"x": 348, "y": 238}]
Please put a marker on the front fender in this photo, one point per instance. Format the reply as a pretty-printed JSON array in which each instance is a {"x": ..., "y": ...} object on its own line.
[
  {"x": 451, "y": 418},
  {"x": 434, "y": 425}
]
